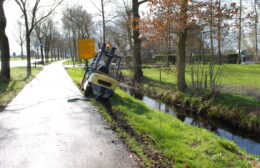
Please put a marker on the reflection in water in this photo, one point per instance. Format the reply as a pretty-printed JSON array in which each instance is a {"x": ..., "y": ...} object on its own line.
[
  {"x": 249, "y": 145},
  {"x": 180, "y": 116},
  {"x": 136, "y": 95}
]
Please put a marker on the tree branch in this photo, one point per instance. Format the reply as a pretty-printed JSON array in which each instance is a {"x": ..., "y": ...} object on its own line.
[
  {"x": 141, "y": 2},
  {"x": 95, "y": 6},
  {"x": 44, "y": 17},
  {"x": 21, "y": 5}
]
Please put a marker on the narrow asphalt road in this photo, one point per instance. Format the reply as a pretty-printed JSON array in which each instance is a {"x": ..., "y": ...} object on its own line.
[{"x": 40, "y": 129}]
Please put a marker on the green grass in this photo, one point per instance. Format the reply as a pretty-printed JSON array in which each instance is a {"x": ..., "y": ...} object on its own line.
[
  {"x": 69, "y": 62},
  {"x": 242, "y": 75},
  {"x": 9, "y": 89},
  {"x": 49, "y": 62},
  {"x": 239, "y": 76},
  {"x": 186, "y": 145},
  {"x": 76, "y": 73},
  {"x": 16, "y": 59},
  {"x": 247, "y": 76}
]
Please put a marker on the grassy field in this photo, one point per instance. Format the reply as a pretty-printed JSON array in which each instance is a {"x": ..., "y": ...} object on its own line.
[
  {"x": 247, "y": 76},
  {"x": 9, "y": 89},
  {"x": 241, "y": 77},
  {"x": 183, "y": 144}
]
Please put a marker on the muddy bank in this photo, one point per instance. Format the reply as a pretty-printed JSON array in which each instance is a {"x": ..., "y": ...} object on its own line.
[{"x": 158, "y": 159}]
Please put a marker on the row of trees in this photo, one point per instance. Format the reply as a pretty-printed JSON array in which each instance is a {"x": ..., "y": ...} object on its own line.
[
  {"x": 188, "y": 27},
  {"x": 191, "y": 28},
  {"x": 33, "y": 15}
]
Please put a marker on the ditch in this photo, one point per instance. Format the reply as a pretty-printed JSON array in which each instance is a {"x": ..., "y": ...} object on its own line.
[{"x": 248, "y": 141}]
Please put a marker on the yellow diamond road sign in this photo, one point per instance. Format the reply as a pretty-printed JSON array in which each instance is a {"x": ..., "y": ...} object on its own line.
[{"x": 86, "y": 48}]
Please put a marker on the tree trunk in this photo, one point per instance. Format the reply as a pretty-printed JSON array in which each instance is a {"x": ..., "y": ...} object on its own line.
[
  {"x": 28, "y": 42},
  {"x": 76, "y": 58},
  {"x": 168, "y": 52},
  {"x": 51, "y": 50},
  {"x": 58, "y": 50},
  {"x": 47, "y": 50},
  {"x": 103, "y": 21},
  {"x": 128, "y": 28},
  {"x": 211, "y": 33},
  {"x": 42, "y": 57},
  {"x": 256, "y": 31},
  {"x": 239, "y": 33},
  {"x": 219, "y": 34},
  {"x": 21, "y": 51},
  {"x": 181, "y": 58},
  {"x": 4, "y": 46},
  {"x": 137, "y": 60}
]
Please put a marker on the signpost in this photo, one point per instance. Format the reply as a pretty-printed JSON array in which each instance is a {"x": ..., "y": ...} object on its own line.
[{"x": 86, "y": 48}]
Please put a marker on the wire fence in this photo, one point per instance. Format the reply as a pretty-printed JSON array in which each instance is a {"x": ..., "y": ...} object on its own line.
[{"x": 239, "y": 82}]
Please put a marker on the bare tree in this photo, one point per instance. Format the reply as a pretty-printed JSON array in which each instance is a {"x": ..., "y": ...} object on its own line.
[
  {"x": 4, "y": 46},
  {"x": 119, "y": 31},
  {"x": 47, "y": 35},
  {"x": 128, "y": 18},
  {"x": 31, "y": 19},
  {"x": 78, "y": 22},
  {"x": 39, "y": 32},
  {"x": 105, "y": 17},
  {"x": 20, "y": 37}
]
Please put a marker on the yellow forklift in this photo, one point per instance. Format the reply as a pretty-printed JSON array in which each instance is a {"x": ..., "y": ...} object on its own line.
[{"x": 99, "y": 80}]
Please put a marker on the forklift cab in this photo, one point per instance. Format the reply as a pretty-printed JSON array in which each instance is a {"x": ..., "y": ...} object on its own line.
[{"x": 105, "y": 61}]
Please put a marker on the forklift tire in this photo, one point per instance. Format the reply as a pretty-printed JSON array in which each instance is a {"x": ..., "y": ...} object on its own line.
[
  {"x": 110, "y": 96},
  {"x": 88, "y": 92}
]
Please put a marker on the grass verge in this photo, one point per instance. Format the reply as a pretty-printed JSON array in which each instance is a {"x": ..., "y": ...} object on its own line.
[
  {"x": 155, "y": 134},
  {"x": 69, "y": 62},
  {"x": 9, "y": 89}
]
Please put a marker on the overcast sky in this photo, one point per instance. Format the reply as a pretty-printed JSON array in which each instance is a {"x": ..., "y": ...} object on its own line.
[{"x": 13, "y": 13}]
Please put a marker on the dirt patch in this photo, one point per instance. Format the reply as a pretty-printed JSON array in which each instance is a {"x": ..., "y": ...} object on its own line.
[
  {"x": 255, "y": 164},
  {"x": 159, "y": 160}
]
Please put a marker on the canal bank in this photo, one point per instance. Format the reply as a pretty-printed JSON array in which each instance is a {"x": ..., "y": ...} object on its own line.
[
  {"x": 239, "y": 112},
  {"x": 246, "y": 140},
  {"x": 170, "y": 138}
]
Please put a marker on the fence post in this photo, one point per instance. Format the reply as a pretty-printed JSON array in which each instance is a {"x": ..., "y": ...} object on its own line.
[
  {"x": 206, "y": 81},
  {"x": 160, "y": 75}
]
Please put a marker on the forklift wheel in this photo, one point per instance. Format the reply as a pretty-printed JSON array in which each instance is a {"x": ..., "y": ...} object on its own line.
[{"x": 88, "y": 91}]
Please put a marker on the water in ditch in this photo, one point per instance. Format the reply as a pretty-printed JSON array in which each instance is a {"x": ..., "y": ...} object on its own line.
[{"x": 251, "y": 143}]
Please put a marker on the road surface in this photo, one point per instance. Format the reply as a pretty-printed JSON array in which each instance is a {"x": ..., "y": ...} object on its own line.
[{"x": 40, "y": 129}]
